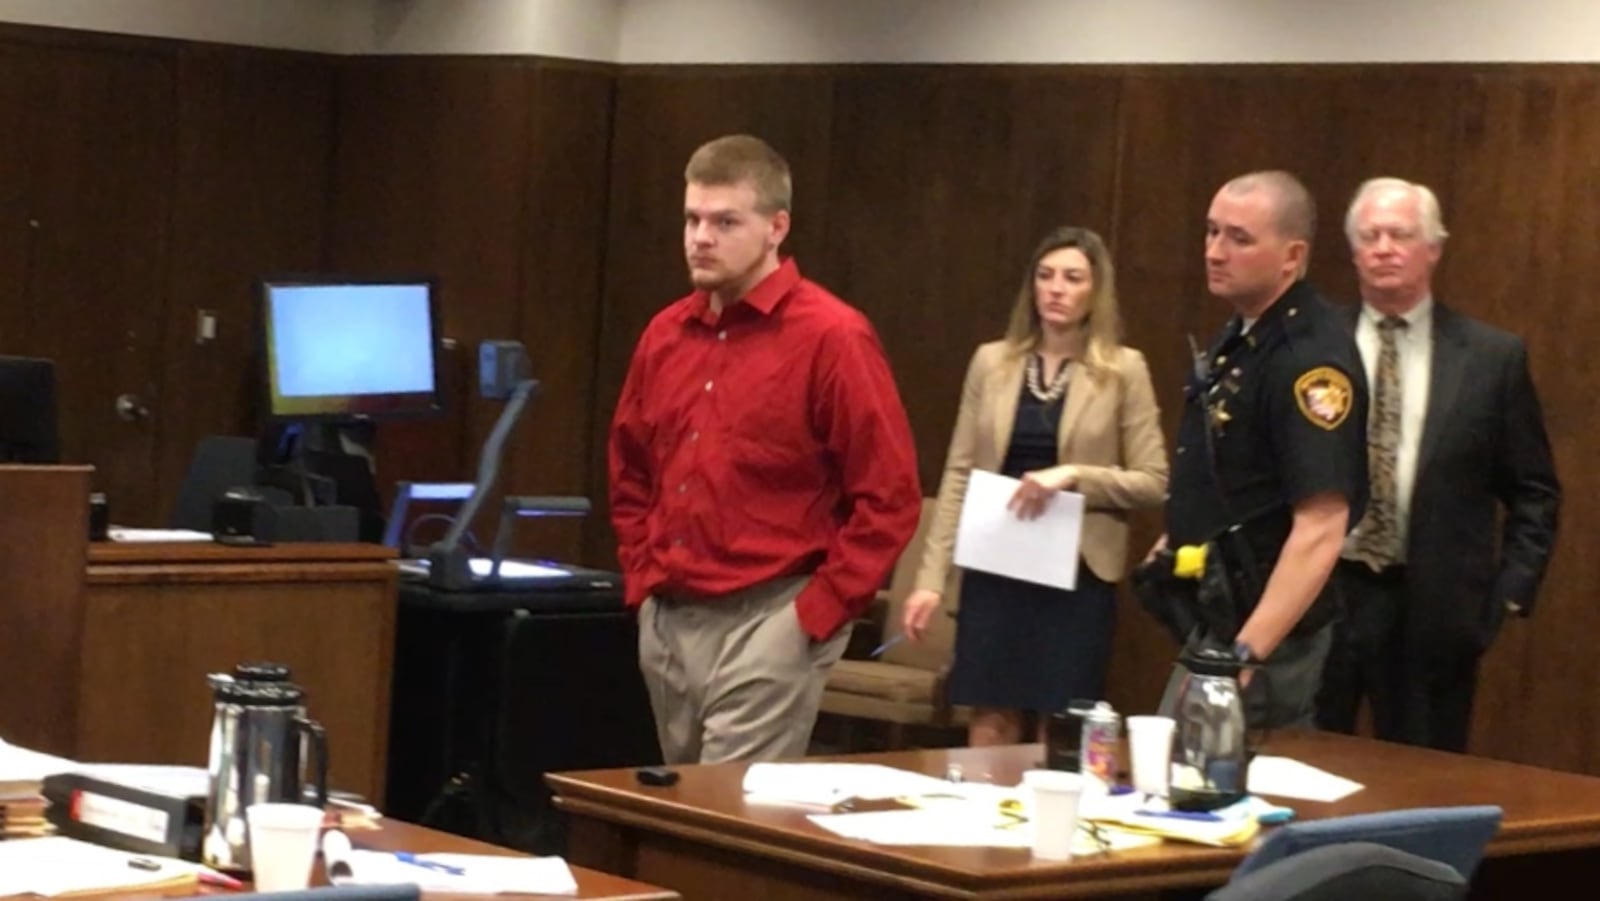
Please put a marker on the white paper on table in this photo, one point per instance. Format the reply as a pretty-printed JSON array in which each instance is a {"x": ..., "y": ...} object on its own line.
[
  {"x": 124, "y": 533},
  {"x": 1288, "y": 778},
  {"x": 953, "y": 827},
  {"x": 827, "y": 784},
  {"x": 936, "y": 827},
  {"x": 57, "y": 865},
  {"x": 478, "y": 874},
  {"x": 991, "y": 539}
]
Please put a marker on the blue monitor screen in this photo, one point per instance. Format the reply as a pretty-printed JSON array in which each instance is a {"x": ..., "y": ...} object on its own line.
[{"x": 337, "y": 349}]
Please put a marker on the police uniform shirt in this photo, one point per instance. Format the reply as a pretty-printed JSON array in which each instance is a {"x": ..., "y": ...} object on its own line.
[{"x": 1284, "y": 406}]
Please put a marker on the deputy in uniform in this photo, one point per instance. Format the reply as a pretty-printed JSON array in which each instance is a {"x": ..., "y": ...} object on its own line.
[{"x": 1271, "y": 465}]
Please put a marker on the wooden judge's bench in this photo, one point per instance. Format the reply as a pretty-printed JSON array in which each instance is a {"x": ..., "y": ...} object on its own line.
[{"x": 104, "y": 648}]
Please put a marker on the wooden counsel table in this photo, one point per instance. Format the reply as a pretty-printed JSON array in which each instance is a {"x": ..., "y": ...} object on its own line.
[
  {"x": 104, "y": 648},
  {"x": 701, "y": 839},
  {"x": 393, "y": 835}
]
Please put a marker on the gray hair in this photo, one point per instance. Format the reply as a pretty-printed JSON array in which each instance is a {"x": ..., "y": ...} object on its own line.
[{"x": 1431, "y": 220}]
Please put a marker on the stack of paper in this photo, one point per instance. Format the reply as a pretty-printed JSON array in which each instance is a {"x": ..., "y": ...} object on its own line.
[
  {"x": 474, "y": 874},
  {"x": 22, "y": 806},
  {"x": 1223, "y": 831}
]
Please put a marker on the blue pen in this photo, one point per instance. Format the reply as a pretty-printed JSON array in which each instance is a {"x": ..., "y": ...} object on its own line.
[
  {"x": 888, "y": 644},
  {"x": 1198, "y": 816},
  {"x": 414, "y": 860}
]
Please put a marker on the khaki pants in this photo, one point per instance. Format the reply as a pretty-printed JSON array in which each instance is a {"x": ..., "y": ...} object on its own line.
[{"x": 734, "y": 678}]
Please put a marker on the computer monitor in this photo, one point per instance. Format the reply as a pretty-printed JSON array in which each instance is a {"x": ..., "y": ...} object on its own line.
[
  {"x": 28, "y": 430},
  {"x": 339, "y": 348}
]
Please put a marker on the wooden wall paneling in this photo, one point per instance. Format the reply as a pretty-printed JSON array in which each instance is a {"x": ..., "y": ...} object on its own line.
[
  {"x": 1186, "y": 131},
  {"x": 568, "y": 168},
  {"x": 1523, "y": 212},
  {"x": 255, "y": 135},
  {"x": 921, "y": 191},
  {"x": 100, "y": 131},
  {"x": 15, "y": 240},
  {"x": 42, "y": 617},
  {"x": 428, "y": 177},
  {"x": 660, "y": 116},
  {"x": 942, "y": 182}
]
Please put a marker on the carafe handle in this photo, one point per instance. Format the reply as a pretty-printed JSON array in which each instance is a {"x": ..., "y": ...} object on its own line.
[{"x": 317, "y": 740}]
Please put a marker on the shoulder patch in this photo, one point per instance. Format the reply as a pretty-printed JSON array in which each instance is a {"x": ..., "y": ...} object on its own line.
[{"x": 1324, "y": 396}]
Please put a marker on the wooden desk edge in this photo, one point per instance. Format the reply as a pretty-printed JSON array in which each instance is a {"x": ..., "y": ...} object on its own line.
[
  {"x": 166, "y": 552},
  {"x": 822, "y": 853}
]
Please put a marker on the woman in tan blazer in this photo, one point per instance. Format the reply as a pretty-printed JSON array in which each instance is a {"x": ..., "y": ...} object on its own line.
[{"x": 1061, "y": 405}]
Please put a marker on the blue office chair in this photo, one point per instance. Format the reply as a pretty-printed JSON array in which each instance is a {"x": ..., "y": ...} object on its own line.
[
  {"x": 338, "y": 893},
  {"x": 1450, "y": 835},
  {"x": 1345, "y": 870}
]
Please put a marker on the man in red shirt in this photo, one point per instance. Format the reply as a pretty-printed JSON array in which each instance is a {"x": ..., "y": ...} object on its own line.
[{"x": 763, "y": 475}]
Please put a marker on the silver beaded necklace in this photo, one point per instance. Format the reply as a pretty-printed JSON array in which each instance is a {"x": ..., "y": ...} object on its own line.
[{"x": 1058, "y": 385}]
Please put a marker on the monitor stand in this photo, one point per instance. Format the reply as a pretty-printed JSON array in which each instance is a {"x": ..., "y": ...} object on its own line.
[{"x": 325, "y": 463}]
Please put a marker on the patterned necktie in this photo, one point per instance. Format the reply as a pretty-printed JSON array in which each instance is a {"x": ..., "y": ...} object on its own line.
[{"x": 1378, "y": 541}]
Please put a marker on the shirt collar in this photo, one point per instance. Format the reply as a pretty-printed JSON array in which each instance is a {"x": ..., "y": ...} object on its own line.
[
  {"x": 763, "y": 298},
  {"x": 1418, "y": 317}
]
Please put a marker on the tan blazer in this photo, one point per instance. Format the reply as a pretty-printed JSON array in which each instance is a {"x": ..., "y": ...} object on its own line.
[{"x": 1110, "y": 430}]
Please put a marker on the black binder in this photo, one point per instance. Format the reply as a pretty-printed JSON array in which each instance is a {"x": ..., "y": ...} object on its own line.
[{"x": 125, "y": 817}]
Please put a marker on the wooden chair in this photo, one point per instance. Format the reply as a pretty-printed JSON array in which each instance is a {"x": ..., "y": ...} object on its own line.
[{"x": 906, "y": 685}]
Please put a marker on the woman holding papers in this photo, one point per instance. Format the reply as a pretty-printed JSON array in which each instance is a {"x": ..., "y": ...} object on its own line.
[{"x": 1060, "y": 405}]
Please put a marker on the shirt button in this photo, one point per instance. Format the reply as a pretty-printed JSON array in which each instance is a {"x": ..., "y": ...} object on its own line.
[
  {"x": 677, "y": 542},
  {"x": 708, "y": 384},
  {"x": 682, "y": 487},
  {"x": 722, "y": 335},
  {"x": 1182, "y": 449},
  {"x": 694, "y": 436}
]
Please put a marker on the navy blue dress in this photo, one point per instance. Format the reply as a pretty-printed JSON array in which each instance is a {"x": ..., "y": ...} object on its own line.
[{"x": 1025, "y": 646}]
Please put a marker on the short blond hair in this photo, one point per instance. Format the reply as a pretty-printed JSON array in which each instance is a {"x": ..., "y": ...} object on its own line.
[
  {"x": 735, "y": 159},
  {"x": 1294, "y": 210}
]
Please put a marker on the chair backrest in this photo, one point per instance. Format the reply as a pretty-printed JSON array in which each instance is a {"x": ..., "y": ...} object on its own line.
[
  {"x": 1346, "y": 870},
  {"x": 934, "y": 652},
  {"x": 220, "y": 462},
  {"x": 1450, "y": 835}
]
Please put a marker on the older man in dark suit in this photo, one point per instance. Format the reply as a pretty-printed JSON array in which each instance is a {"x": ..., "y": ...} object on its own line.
[{"x": 1455, "y": 437}]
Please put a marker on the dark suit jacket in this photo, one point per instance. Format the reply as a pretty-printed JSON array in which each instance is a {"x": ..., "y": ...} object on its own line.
[{"x": 1483, "y": 446}]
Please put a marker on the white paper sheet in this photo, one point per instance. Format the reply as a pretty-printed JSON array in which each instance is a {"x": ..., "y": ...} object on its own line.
[
  {"x": 476, "y": 874},
  {"x": 124, "y": 533},
  {"x": 953, "y": 827},
  {"x": 1288, "y": 778},
  {"x": 991, "y": 539},
  {"x": 57, "y": 865},
  {"x": 826, "y": 784}
]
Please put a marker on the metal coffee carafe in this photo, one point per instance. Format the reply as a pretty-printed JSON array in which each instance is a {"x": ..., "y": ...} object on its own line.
[
  {"x": 1210, "y": 765},
  {"x": 260, "y": 741}
]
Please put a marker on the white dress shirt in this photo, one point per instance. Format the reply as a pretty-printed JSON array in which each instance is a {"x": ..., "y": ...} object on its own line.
[{"x": 1414, "y": 345}]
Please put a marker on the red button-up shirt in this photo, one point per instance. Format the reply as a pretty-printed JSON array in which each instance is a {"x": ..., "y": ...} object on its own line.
[{"x": 765, "y": 442}]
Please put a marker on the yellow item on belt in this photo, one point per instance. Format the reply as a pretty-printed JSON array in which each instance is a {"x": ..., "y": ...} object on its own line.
[{"x": 1190, "y": 561}]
